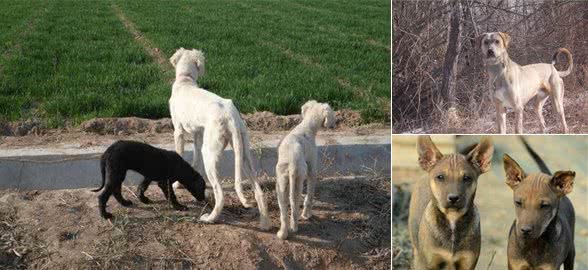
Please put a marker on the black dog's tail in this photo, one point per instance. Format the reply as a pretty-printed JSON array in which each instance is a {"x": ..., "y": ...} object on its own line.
[
  {"x": 535, "y": 157},
  {"x": 103, "y": 172}
]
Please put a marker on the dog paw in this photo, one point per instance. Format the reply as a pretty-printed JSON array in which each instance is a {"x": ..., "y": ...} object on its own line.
[
  {"x": 177, "y": 185},
  {"x": 264, "y": 224},
  {"x": 126, "y": 203},
  {"x": 145, "y": 200},
  {"x": 247, "y": 204},
  {"x": 107, "y": 216},
  {"x": 282, "y": 234},
  {"x": 206, "y": 218},
  {"x": 180, "y": 207},
  {"x": 306, "y": 215}
]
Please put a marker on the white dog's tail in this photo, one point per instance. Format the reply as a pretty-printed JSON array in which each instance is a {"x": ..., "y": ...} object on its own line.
[
  {"x": 570, "y": 61},
  {"x": 240, "y": 140}
]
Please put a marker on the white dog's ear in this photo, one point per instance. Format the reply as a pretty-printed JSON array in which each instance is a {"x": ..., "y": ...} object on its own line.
[
  {"x": 307, "y": 106},
  {"x": 505, "y": 38},
  {"x": 199, "y": 61},
  {"x": 176, "y": 57}
]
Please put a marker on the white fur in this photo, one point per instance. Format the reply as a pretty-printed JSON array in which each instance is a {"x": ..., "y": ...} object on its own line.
[
  {"x": 213, "y": 122},
  {"x": 297, "y": 161}
]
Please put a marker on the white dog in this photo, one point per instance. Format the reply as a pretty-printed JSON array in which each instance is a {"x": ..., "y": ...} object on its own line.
[
  {"x": 213, "y": 122},
  {"x": 297, "y": 160}
]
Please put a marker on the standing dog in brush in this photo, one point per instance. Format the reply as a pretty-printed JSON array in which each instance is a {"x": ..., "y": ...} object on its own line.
[
  {"x": 513, "y": 86},
  {"x": 444, "y": 223},
  {"x": 213, "y": 122},
  {"x": 162, "y": 166},
  {"x": 297, "y": 162},
  {"x": 542, "y": 234}
]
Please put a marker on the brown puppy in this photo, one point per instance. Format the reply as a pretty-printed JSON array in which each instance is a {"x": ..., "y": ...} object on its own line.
[
  {"x": 542, "y": 235},
  {"x": 444, "y": 224}
]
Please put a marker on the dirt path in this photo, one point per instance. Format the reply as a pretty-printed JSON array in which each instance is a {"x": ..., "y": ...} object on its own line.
[{"x": 60, "y": 229}]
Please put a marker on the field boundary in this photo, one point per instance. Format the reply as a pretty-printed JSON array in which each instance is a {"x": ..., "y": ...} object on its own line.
[{"x": 156, "y": 54}]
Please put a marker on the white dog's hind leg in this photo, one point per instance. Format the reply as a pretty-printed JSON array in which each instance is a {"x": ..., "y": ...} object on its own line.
[
  {"x": 539, "y": 102},
  {"x": 197, "y": 163},
  {"x": 281, "y": 186},
  {"x": 179, "y": 145},
  {"x": 212, "y": 150},
  {"x": 296, "y": 182},
  {"x": 310, "y": 186},
  {"x": 558, "y": 102}
]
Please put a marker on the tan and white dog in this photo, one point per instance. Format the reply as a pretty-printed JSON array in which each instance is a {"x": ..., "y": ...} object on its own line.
[{"x": 513, "y": 85}]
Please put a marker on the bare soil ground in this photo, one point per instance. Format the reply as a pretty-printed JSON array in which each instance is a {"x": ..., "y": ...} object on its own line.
[{"x": 62, "y": 229}]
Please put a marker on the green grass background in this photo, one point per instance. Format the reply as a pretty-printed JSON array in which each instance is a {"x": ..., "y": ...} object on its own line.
[{"x": 66, "y": 61}]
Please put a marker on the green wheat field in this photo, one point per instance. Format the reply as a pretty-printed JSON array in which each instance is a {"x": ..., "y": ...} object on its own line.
[{"x": 69, "y": 61}]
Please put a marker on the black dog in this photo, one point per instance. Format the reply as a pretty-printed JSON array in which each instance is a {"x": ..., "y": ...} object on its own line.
[{"x": 162, "y": 166}]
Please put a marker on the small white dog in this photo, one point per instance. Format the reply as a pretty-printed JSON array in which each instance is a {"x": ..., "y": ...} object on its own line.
[
  {"x": 297, "y": 160},
  {"x": 213, "y": 122}
]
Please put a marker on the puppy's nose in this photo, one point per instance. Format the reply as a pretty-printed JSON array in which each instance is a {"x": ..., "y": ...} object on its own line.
[
  {"x": 452, "y": 198},
  {"x": 490, "y": 52},
  {"x": 526, "y": 230}
]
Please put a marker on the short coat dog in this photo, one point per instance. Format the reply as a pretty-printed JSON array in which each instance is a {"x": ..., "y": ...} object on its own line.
[
  {"x": 513, "y": 85},
  {"x": 443, "y": 221},
  {"x": 154, "y": 164},
  {"x": 542, "y": 234}
]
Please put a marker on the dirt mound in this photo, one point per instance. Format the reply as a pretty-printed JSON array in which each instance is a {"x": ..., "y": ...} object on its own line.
[
  {"x": 127, "y": 125},
  {"x": 61, "y": 229},
  {"x": 258, "y": 121}
]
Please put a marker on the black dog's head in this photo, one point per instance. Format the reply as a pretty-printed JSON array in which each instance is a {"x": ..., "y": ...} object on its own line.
[{"x": 190, "y": 179}]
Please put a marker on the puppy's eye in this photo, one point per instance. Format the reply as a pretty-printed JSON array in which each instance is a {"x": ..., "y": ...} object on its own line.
[
  {"x": 496, "y": 41},
  {"x": 518, "y": 203},
  {"x": 440, "y": 177},
  {"x": 467, "y": 178},
  {"x": 544, "y": 205}
]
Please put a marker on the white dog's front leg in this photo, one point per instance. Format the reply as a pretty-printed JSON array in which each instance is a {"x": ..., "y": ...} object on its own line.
[
  {"x": 519, "y": 119},
  {"x": 179, "y": 145},
  {"x": 197, "y": 163},
  {"x": 500, "y": 116}
]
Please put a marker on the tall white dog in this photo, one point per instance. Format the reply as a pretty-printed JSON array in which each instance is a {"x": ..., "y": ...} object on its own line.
[
  {"x": 213, "y": 122},
  {"x": 297, "y": 160}
]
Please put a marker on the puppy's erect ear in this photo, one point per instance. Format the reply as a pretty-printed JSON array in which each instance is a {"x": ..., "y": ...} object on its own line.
[
  {"x": 563, "y": 182},
  {"x": 176, "y": 57},
  {"x": 307, "y": 106},
  {"x": 505, "y": 38},
  {"x": 514, "y": 172},
  {"x": 481, "y": 156},
  {"x": 429, "y": 155}
]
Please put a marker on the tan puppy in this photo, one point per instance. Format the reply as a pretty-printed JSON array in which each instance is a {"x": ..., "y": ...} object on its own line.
[
  {"x": 513, "y": 85},
  {"x": 443, "y": 221},
  {"x": 542, "y": 234}
]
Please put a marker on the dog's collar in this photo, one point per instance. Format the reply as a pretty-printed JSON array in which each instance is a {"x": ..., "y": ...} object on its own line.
[{"x": 184, "y": 77}]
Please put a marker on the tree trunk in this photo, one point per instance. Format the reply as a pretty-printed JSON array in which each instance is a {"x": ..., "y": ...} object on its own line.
[{"x": 452, "y": 55}]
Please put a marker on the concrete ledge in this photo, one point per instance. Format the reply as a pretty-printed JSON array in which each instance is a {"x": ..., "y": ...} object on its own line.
[{"x": 73, "y": 167}]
